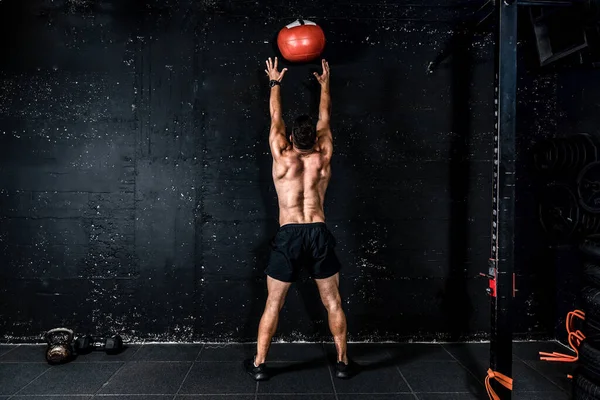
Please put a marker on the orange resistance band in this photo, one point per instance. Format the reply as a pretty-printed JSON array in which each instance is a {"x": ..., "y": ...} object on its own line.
[
  {"x": 502, "y": 379},
  {"x": 575, "y": 339}
]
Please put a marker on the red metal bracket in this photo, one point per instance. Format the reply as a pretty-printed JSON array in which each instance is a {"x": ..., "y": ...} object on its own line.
[{"x": 491, "y": 275}]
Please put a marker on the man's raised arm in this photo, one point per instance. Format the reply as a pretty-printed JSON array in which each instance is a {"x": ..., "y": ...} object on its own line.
[
  {"x": 277, "y": 139},
  {"x": 323, "y": 129},
  {"x": 275, "y": 108},
  {"x": 324, "y": 107}
]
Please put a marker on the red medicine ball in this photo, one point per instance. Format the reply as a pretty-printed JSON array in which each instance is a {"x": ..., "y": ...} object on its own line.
[{"x": 301, "y": 41}]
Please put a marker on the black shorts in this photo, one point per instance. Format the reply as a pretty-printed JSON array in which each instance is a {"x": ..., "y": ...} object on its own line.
[{"x": 297, "y": 246}]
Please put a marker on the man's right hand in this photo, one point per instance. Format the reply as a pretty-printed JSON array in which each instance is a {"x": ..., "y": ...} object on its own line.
[
  {"x": 324, "y": 77},
  {"x": 272, "y": 71}
]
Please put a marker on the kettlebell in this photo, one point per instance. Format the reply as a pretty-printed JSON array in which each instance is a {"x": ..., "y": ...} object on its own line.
[{"x": 61, "y": 346}]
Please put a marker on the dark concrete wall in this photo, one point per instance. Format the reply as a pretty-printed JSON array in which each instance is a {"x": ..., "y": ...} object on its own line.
[{"x": 136, "y": 191}]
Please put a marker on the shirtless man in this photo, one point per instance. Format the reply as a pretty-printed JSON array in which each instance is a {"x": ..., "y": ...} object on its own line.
[{"x": 301, "y": 173}]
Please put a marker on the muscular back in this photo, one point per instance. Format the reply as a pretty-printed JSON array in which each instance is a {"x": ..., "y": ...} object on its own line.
[
  {"x": 301, "y": 181},
  {"x": 300, "y": 177}
]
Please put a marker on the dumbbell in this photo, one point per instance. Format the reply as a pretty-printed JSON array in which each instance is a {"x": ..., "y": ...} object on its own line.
[{"x": 110, "y": 345}]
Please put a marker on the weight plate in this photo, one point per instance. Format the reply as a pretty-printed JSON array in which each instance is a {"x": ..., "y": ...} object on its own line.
[
  {"x": 588, "y": 187},
  {"x": 543, "y": 157},
  {"x": 580, "y": 227},
  {"x": 590, "y": 147},
  {"x": 575, "y": 152},
  {"x": 555, "y": 155},
  {"x": 592, "y": 10},
  {"x": 588, "y": 223},
  {"x": 561, "y": 158},
  {"x": 596, "y": 224},
  {"x": 569, "y": 157},
  {"x": 559, "y": 211},
  {"x": 580, "y": 152}
]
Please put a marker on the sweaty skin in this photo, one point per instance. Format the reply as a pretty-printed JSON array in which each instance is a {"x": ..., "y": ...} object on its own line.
[
  {"x": 301, "y": 177},
  {"x": 301, "y": 180}
]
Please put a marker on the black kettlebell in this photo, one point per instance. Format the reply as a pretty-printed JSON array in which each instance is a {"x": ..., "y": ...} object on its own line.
[{"x": 61, "y": 346}]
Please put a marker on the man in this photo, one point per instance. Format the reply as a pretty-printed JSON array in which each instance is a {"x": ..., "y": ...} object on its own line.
[{"x": 301, "y": 173}]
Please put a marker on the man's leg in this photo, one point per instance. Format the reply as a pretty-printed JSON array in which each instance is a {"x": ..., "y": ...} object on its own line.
[
  {"x": 268, "y": 323},
  {"x": 330, "y": 296}
]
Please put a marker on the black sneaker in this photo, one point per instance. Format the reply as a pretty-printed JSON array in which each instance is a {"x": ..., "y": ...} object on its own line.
[
  {"x": 344, "y": 371},
  {"x": 257, "y": 373}
]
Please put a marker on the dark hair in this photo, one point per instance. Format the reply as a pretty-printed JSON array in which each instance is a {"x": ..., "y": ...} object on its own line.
[{"x": 304, "y": 133}]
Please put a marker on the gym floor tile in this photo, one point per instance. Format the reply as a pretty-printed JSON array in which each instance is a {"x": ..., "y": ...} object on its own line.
[
  {"x": 362, "y": 353},
  {"x": 300, "y": 377},
  {"x": 440, "y": 376},
  {"x": 556, "y": 372},
  {"x": 526, "y": 379},
  {"x": 473, "y": 357},
  {"x": 72, "y": 379},
  {"x": 133, "y": 397},
  {"x": 397, "y": 396},
  {"x": 477, "y": 367},
  {"x": 36, "y": 397},
  {"x": 408, "y": 353},
  {"x": 469, "y": 351},
  {"x": 227, "y": 352},
  {"x": 218, "y": 378},
  {"x": 14, "y": 376},
  {"x": 214, "y": 397},
  {"x": 540, "y": 396},
  {"x": 296, "y": 352},
  {"x": 4, "y": 348},
  {"x": 100, "y": 356},
  {"x": 373, "y": 379},
  {"x": 277, "y": 352},
  {"x": 448, "y": 396},
  {"x": 167, "y": 352},
  {"x": 531, "y": 350},
  {"x": 296, "y": 397},
  {"x": 300, "y": 372},
  {"x": 147, "y": 378},
  {"x": 25, "y": 353}
]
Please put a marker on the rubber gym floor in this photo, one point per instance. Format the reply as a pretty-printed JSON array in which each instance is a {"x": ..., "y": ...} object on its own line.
[{"x": 301, "y": 371}]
